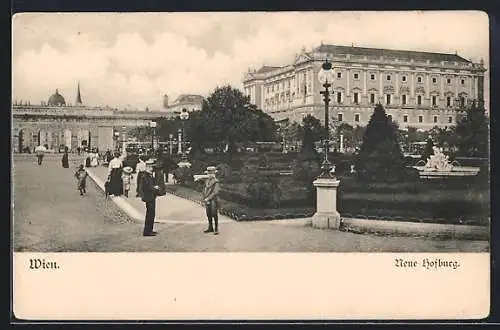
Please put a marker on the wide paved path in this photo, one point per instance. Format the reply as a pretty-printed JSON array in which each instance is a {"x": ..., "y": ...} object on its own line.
[
  {"x": 50, "y": 216},
  {"x": 169, "y": 208}
]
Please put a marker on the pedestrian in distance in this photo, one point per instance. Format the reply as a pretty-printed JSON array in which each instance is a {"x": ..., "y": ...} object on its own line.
[
  {"x": 65, "y": 158},
  {"x": 81, "y": 176},
  {"x": 40, "y": 152},
  {"x": 149, "y": 192},
  {"x": 126, "y": 178},
  {"x": 211, "y": 191},
  {"x": 115, "y": 168}
]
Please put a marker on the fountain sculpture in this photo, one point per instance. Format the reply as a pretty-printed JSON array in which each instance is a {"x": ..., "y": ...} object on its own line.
[{"x": 439, "y": 166}]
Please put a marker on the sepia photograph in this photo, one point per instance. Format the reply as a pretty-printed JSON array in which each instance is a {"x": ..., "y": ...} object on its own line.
[
  {"x": 244, "y": 132},
  {"x": 343, "y": 156}
]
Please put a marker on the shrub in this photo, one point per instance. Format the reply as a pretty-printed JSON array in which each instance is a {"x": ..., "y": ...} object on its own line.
[
  {"x": 263, "y": 193},
  {"x": 224, "y": 172},
  {"x": 183, "y": 175}
]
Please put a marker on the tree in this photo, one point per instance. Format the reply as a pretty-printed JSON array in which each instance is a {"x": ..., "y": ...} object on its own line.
[
  {"x": 473, "y": 132},
  {"x": 380, "y": 157},
  {"x": 312, "y": 131},
  {"x": 228, "y": 117}
]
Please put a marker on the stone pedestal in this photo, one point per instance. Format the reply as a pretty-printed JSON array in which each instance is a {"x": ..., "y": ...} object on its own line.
[{"x": 326, "y": 216}]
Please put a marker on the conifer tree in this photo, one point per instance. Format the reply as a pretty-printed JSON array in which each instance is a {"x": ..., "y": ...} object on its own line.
[{"x": 380, "y": 157}]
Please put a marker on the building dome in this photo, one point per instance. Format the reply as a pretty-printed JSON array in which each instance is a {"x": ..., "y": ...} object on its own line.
[{"x": 56, "y": 99}]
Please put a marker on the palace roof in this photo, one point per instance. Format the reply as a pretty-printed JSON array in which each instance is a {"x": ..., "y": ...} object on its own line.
[{"x": 400, "y": 54}]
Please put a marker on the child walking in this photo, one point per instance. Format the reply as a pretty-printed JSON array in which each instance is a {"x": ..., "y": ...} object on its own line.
[
  {"x": 81, "y": 176},
  {"x": 126, "y": 178}
]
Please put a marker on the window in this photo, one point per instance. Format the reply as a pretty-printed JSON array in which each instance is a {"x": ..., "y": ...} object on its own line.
[
  {"x": 388, "y": 99},
  {"x": 450, "y": 120},
  {"x": 434, "y": 80},
  {"x": 435, "y": 119},
  {"x": 403, "y": 78},
  {"x": 267, "y": 90},
  {"x": 434, "y": 100},
  {"x": 419, "y": 79},
  {"x": 339, "y": 117},
  {"x": 462, "y": 101},
  {"x": 356, "y": 98},
  {"x": 388, "y": 77},
  {"x": 372, "y": 98},
  {"x": 448, "y": 81},
  {"x": 420, "y": 119},
  {"x": 405, "y": 118},
  {"x": 372, "y": 76},
  {"x": 356, "y": 117},
  {"x": 339, "y": 97},
  {"x": 356, "y": 76},
  {"x": 448, "y": 101},
  {"x": 462, "y": 81},
  {"x": 419, "y": 99},
  {"x": 339, "y": 75},
  {"x": 403, "y": 99},
  {"x": 389, "y": 117}
]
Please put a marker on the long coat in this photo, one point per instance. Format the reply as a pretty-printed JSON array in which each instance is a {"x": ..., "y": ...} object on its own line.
[{"x": 148, "y": 192}]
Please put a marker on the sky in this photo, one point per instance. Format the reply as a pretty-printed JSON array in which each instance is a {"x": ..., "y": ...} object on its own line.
[{"x": 133, "y": 59}]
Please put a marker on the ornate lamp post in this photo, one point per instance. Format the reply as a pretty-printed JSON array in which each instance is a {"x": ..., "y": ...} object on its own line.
[
  {"x": 184, "y": 116},
  {"x": 152, "y": 124},
  {"x": 325, "y": 76},
  {"x": 170, "y": 143},
  {"x": 326, "y": 184},
  {"x": 124, "y": 141}
]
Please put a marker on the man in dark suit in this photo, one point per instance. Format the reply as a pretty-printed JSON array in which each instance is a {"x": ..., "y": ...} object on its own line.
[{"x": 149, "y": 192}]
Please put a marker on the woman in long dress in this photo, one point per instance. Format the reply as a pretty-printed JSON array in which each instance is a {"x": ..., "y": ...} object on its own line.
[
  {"x": 115, "y": 176},
  {"x": 65, "y": 158}
]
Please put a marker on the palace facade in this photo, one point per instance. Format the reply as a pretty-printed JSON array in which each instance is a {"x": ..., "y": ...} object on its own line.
[{"x": 417, "y": 89}]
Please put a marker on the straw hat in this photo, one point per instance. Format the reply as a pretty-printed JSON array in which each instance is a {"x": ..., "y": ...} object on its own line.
[
  {"x": 150, "y": 162},
  {"x": 211, "y": 169},
  {"x": 128, "y": 169}
]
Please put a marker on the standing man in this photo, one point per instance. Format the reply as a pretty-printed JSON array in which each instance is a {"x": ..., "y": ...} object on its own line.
[
  {"x": 40, "y": 152},
  {"x": 149, "y": 193},
  {"x": 211, "y": 199},
  {"x": 140, "y": 168}
]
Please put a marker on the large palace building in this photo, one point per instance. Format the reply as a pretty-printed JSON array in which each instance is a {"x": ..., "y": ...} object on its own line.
[{"x": 417, "y": 89}]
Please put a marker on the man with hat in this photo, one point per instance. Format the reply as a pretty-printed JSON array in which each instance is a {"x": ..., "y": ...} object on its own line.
[
  {"x": 211, "y": 199},
  {"x": 148, "y": 195}
]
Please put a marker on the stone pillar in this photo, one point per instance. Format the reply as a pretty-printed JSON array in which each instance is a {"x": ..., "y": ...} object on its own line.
[
  {"x": 341, "y": 143},
  {"x": 326, "y": 216}
]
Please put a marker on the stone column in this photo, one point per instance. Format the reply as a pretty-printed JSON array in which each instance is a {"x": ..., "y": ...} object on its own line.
[{"x": 326, "y": 216}]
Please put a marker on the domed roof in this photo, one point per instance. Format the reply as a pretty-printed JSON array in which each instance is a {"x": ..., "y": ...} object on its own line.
[{"x": 56, "y": 99}]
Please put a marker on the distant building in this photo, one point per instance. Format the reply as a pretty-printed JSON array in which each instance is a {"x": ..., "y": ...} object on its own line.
[
  {"x": 190, "y": 102},
  {"x": 418, "y": 89}
]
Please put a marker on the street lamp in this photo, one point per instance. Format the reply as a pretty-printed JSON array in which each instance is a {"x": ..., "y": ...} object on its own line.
[
  {"x": 184, "y": 116},
  {"x": 325, "y": 76},
  {"x": 152, "y": 124},
  {"x": 124, "y": 143}
]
